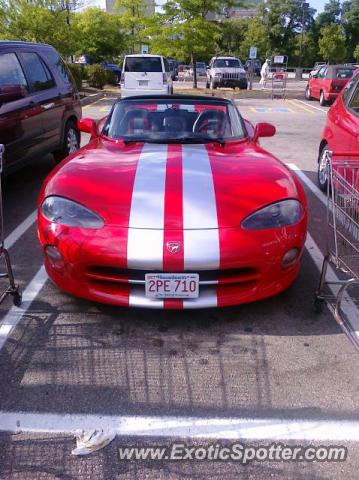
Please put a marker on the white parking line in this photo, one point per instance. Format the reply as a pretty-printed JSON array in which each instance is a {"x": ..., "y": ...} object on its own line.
[
  {"x": 14, "y": 236},
  {"x": 185, "y": 427},
  {"x": 349, "y": 306},
  {"x": 311, "y": 106},
  {"x": 312, "y": 187},
  {"x": 15, "y": 314}
]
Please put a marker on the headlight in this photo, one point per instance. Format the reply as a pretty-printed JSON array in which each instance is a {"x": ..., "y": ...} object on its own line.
[
  {"x": 66, "y": 212},
  {"x": 279, "y": 214}
]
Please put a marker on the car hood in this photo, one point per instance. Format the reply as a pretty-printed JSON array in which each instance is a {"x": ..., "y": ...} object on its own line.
[{"x": 173, "y": 186}]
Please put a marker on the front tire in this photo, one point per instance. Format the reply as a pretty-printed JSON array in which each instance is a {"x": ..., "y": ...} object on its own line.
[
  {"x": 322, "y": 100},
  {"x": 308, "y": 95},
  {"x": 70, "y": 142},
  {"x": 322, "y": 170}
]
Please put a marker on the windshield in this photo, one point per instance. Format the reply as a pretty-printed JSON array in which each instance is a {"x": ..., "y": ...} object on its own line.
[
  {"x": 143, "y": 64},
  {"x": 200, "y": 65},
  {"x": 177, "y": 121},
  {"x": 227, "y": 63}
]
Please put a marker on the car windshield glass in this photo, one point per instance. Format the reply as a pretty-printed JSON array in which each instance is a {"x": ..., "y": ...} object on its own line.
[
  {"x": 200, "y": 65},
  {"x": 344, "y": 73},
  {"x": 143, "y": 64},
  {"x": 226, "y": 63},
  {"x": 177, "y": 121}
]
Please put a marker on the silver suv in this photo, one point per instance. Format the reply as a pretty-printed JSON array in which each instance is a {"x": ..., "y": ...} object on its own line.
[{"x": 226, "y": 72}]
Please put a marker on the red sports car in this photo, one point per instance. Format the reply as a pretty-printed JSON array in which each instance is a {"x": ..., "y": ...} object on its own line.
[
  {"x": 327, "y": 83},
  {"x": 172, "y": 204}
]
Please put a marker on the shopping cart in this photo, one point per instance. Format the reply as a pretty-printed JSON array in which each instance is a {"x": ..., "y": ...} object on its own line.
[
  {"x": 12, "y": 288},
  {"x": 343, "y": 236},
  {"x": 279, "y": 84}
]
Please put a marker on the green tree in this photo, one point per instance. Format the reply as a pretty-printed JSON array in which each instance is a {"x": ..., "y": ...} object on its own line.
[
  {"x": 350, "y": 20},
  {"x": 37, "y": 21},
  {"x": 233, "y": 33},
  {"x": 331, "y": 14},
  {"x": 332, "y": 43},
  {"x": 283, "y": 20},
  {"x": 256, "y": 35},
  {"x": 356, "y": 53},
  {"x": 98, "y": 34},
  {"x": 309, "y": 49},
  {"x": 185, "y": 30},
  {"x": 133, "y": 21}
]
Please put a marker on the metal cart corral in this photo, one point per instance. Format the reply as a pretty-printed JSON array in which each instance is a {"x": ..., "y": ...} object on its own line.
[
  {"x": 279, "y": 75},
  {"x": 279, "y": 85},
  {"x": 12, "y": 288},
  {"x": 343, "y": 234}
]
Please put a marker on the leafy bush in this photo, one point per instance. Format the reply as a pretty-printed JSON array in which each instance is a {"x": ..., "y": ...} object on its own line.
[
  {"x": 96, "y": 76},
  {"x": 77, "y": 72},
  {"x": 111, "y": 77}
]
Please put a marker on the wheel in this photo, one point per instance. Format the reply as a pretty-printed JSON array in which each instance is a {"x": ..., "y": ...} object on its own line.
[
  {"x": 207, "y": 83},
  {"x": 318, "y": 305},
  {"x": 322, "y": 100},
  {"x": 17, "y": 300},
  {"x": 213, "y": 86},
  {"x": 308, "y": 96},
  {"x": 70, "y": 143},
  {"x": 323, "y": 170}
]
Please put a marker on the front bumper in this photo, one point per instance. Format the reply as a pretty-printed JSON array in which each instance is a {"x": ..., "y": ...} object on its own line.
[
  {"x": 95, "y": 267},
  {"x": 231, "y": 82}
]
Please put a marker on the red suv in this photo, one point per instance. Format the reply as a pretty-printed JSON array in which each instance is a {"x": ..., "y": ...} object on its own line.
[
  {"x": 341, "y": 131},
  {"x": 39, "y": 103},
  {"x": 328, "y": 82}
]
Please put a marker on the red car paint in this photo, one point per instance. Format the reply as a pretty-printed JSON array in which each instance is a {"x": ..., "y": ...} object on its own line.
[{"x": 245, "y": 177}]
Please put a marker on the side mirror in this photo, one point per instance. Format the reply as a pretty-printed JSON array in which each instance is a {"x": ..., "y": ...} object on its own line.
[
  {"x": 88, "y": 125},
  {"x": 264, "y": 130},
  {"x": 10, "y": 93}
]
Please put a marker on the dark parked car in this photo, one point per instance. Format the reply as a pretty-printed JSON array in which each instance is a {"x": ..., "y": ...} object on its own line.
[
  {"x": 112, "y": 67},
  {"x": 257, "y": 66},
  {"x": 39, "y": 103}
]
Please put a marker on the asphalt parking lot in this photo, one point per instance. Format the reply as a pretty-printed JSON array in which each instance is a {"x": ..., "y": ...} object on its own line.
[{"x": 66, "y": 363}]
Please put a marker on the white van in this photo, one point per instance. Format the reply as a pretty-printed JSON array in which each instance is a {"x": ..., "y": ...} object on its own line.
[{"x": 145, "y": 75}]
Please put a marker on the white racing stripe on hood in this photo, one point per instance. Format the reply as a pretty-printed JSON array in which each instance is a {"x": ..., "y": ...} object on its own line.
[
  {"x": 145, "y": 234},
  {"x": 201, "y": 247}
]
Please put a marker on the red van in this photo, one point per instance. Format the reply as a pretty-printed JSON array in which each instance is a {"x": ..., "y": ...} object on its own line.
[
  {"x": 341, "y": 130},
  {"x": 39, "y": 103},
  {"x": 328, "y": 82}
]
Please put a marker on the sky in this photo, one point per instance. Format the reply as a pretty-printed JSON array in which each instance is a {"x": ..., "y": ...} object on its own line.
[{"x": 317, "y": 4}]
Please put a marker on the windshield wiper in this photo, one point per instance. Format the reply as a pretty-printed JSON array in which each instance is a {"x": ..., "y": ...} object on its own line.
[{"x": 184, "y": 140}]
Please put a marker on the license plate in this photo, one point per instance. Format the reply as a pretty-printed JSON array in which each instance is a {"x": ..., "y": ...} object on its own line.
[
  {"x": 172, "y": 285},
  {"x": 142, "y": 83}
]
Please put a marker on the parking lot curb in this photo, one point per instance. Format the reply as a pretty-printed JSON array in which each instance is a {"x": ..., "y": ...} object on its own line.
[{"x": 92, "y": 98}]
